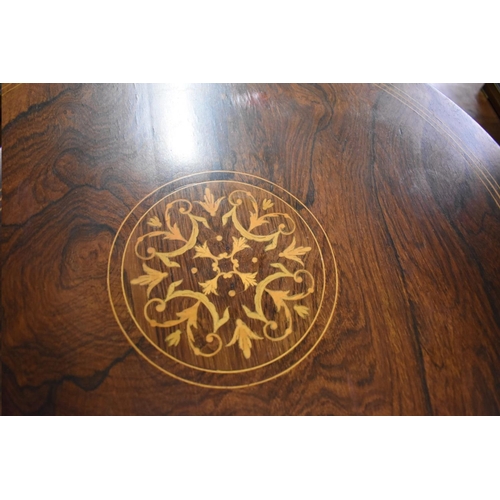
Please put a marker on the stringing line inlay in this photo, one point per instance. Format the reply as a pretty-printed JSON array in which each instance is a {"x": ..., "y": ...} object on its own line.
[{"x": 222, "y": 279}]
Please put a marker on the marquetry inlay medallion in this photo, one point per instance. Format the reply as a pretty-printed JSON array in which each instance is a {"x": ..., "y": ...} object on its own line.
[{"x": 222, "y": 279}]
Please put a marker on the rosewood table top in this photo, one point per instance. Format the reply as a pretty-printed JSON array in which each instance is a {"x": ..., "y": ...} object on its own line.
[{"x": 248, "y": 250}]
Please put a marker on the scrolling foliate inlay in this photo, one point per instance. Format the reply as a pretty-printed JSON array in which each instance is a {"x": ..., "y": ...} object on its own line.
[
  {"x": 222, "y": 279},
  {"x": 169, "y": 240}
]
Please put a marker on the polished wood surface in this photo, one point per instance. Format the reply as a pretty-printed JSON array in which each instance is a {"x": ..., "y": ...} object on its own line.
[
  {"x": 399, "y": 186},
  {"x": 474, "y": 100}
]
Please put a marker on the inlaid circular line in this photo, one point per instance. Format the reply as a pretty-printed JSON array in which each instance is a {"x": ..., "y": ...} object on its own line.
[
  {"x": 480, "y": 171},
  {"x": 237, "y": 386},
  {"x": 10, "y": 89},
  {"x": 209, "y": 370},
  {"x": 439, "y": 125}
]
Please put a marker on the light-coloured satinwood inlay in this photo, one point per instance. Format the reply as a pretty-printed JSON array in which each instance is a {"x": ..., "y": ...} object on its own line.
[
  {"x": 161, "y": 248},
  {"x": 191, "y": 283}
]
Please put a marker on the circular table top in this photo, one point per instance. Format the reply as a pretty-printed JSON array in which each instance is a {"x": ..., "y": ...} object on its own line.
[{"x": 248, "y": 249}]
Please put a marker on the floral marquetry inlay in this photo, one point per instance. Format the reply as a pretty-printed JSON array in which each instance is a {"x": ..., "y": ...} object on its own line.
[{"x": 223, "y": 277}]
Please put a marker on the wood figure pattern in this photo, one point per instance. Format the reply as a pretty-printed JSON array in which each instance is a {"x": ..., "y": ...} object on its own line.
[{"x": 402, "y": 184}]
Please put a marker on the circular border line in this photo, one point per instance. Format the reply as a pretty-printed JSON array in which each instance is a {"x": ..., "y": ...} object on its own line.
[{"x": 230, "y": 379}]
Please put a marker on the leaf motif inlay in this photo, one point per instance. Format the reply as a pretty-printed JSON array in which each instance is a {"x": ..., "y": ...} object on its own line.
[{"x": 187, "y": 319}]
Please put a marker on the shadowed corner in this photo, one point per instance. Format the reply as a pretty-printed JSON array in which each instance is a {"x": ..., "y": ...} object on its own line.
[
  {"x": 477, "y": 100},
  {"x": 1, "y": 308}
]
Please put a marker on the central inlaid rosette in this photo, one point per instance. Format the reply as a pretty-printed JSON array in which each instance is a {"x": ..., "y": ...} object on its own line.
[{"x": 221, "y": 276}]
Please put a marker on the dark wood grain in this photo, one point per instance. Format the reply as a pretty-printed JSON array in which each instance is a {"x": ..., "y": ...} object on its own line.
[
  {"x": 404, "y": 184},
  {"x": 492, "y": 92}
]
